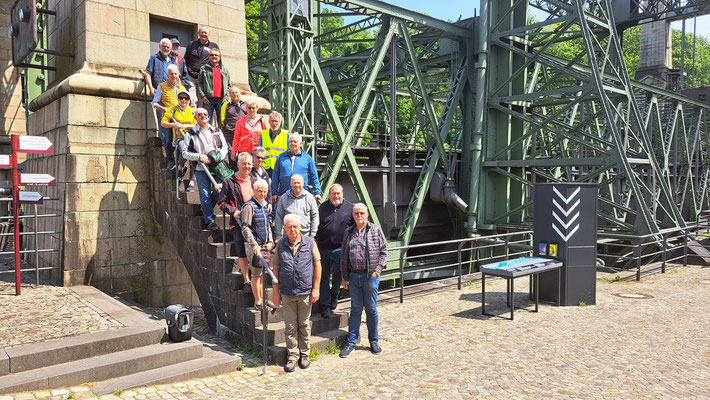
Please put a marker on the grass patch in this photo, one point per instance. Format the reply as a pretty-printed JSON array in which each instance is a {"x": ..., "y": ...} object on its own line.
[
  {"x": 419, "y": 336},
  {"x": 246, "y": 349},
  {"x": 582, "y": 304},
  {"x": 315, "y": 353},
  {"x": 241, "y": 367},
  {"x": 71, "y": 396},
  {"x": 117, "y": 392},
  {"x": 332, "y": 348},
  {"x": 610, "y": 280}
]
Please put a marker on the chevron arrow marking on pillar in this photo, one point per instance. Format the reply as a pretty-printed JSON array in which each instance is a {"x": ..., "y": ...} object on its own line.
[
  {"x": 567, "y": 210},
  {"x": 562, "y": 210},
  {"x": 568, "y": 224},
  {"x": 566, "y": 199},
  {"x": 565, "y": 238}
]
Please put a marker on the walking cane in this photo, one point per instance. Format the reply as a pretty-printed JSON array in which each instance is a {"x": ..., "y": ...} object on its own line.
[{"x": 264, "y": 302}]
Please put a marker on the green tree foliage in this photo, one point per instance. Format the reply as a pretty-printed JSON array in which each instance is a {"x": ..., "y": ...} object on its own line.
[
  {"x": 252, "y": 25},
  {"x": 702, "y": 57},
  {"x": 331, "y": 23}
]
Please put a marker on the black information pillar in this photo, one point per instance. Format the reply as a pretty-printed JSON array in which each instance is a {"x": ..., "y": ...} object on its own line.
[{"x": 565, "y": 228}]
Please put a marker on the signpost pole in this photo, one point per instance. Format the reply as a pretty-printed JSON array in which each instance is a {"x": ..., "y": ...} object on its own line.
[{"x": 16, "y": 211}]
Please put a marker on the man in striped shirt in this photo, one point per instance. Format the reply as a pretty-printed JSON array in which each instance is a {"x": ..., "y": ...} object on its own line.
[{"x": 363, "y": 255}]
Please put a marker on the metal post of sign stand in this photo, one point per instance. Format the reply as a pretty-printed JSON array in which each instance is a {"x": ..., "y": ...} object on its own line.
[
  {"x": 16, "y": 212},
  {"x": 36, "y": 245}
]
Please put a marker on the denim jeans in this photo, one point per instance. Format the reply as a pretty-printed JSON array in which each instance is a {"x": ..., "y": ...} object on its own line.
[
  {"x": 330, "y": 264},
  {"x": 363, "y": 293},
  {"x": 214, "y": 106},
  {"x": 166, "y": 138},
  {"x": 208, "y": 196}
]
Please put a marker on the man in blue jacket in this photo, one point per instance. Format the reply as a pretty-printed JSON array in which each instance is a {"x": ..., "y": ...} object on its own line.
[{"x": 294, "y": 161}]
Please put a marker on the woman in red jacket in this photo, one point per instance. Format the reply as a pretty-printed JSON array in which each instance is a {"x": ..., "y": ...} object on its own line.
[{"x": 248, "y": 130}]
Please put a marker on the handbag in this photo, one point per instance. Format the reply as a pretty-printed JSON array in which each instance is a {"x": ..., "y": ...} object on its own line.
[{"x": 218, "y": 167}]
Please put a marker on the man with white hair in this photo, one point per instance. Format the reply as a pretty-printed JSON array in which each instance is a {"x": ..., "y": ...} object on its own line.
[
  {"x": 157, "y": 70},
  {"x": 294, "y": 161},
  {"x": 274, "y": 140},
  {"x": 363, "y": 255},
  {"x": 334, "y": 216},
  {"x": 236, "y": 191},
  {"x": 300, "y": 203},
  {"x": 296, "y": 265}
]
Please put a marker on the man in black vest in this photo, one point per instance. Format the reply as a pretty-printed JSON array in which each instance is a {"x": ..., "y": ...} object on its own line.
[{"x": 296, "y": 265}]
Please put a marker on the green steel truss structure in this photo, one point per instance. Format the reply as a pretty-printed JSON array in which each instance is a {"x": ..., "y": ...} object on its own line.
[
  {"x": 582, "y": 119},
  {"x": 493, "y": 110}
]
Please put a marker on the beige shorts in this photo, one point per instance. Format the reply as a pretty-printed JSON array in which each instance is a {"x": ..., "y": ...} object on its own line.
[{"x": 255, "y": 272}]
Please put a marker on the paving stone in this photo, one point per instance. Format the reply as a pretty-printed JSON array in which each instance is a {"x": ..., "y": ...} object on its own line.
[
  {"x": 62, "y": 312},
  {"x": 440, "y": 346}
]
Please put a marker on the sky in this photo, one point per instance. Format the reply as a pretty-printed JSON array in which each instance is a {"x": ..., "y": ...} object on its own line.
[{"x": 453, "y": 9}]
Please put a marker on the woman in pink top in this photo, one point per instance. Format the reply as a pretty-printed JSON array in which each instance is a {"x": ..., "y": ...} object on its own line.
[{"x": 248, "y": 130}]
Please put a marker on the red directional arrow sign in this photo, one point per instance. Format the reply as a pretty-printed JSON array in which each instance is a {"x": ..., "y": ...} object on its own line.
[
  {"x": 5, "y": 161},
  {"x": 35, "y": 144},
  {"x": 37, "y": 180}
]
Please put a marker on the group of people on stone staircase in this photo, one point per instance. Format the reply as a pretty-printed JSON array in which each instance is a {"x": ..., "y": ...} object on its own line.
[{"x": 258, "y": 174}]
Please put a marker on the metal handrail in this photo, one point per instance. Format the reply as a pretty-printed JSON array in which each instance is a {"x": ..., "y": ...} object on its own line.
[
  {"x": 35, "y": 234},
  {"x": 664, "y": 239}
]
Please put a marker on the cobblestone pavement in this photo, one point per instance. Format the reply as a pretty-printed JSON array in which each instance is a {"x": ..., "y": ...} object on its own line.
[
  {"x": 439, "y": 346},
  {"x": 45, "y": 312}
]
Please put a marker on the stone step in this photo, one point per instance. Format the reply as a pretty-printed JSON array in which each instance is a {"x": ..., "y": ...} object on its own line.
[
  {"x": 275, "y": 332},
  {"x": 214, "y": 361},
  {"x": 278, "y": 353},
  {"x": 103, "y": 367},
  {"x": 45, "y": 354}
]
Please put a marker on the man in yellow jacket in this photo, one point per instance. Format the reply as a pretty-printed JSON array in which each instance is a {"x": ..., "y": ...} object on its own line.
[
  {"x": 274, "y": 140},
  {"x": 164, "y": 99}
]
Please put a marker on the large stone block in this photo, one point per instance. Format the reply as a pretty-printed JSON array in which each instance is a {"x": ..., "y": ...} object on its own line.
[
  {"x": 87, "y": 225},
  {"x": 86, "y": 168},
  {"x": 95, "y": 135},
  {"x": 118, "y": 3},
  {"x": 105, "y": 18},
  {"x": 136, "y": 137},
  {"x": 102, "y": 48},
  {"x": 138, "y": 24},
  {"x": 225, "y": 18},
  {"x": 97, "y": 196},
  {"x": 184, "y": 10},
  {"x": 84, "y": 110},
  {"x": 176, "y": 273},
  {"x": 80, "y": 254},
  {"x": 126, "y": 223},
  {"x": 138, "y": 195},
  {"x": 130, "y": 169},
  {"x": 123, "y": 113},
  {"x": 51, "y": 116}
]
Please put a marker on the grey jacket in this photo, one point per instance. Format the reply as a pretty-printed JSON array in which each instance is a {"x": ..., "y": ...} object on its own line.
[{"x": 305, "y": 206}]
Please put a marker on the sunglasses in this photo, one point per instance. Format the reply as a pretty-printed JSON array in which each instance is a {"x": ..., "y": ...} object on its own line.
[
  {"x": 201, "y": 115},
  {"x": 183, "y": 98},
  {"x": 260, "y": 158}
]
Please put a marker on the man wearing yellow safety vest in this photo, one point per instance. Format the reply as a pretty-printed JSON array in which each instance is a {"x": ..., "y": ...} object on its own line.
[{"x": 274, "y": 140}]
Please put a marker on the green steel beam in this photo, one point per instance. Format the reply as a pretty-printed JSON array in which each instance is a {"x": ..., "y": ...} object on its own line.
[
  {"x": 381, "y": 9},
  {"x": 339, "y": 135},
  {"x": 359, "y": 101},
  {"x": 432, "y": 159}
]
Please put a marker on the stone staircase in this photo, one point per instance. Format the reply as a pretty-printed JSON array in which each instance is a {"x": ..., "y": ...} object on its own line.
[
  {"x": 137, "y": 354},
  {"x": 217, "y": 280}
]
